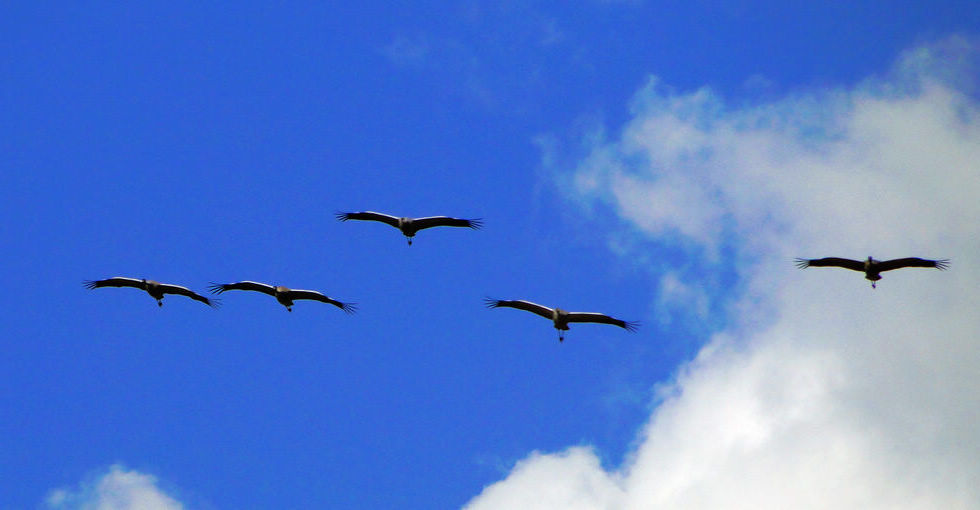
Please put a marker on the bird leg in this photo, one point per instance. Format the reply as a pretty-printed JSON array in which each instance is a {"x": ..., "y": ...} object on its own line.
[
  {"x": 409, "y": 241},
  {"x": 159, "y": 302}
]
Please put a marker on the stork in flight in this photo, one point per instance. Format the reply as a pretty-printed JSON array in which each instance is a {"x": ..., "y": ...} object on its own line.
[
  {"x": 409, "y": 226},
  {"x": 560, "y": 317},
  {"x": 871, "y": 267},
  {"x": 155, "y": 289},
  {"x": 284, "y": 295}
]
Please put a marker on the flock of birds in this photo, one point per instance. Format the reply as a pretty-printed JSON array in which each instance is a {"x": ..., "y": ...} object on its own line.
[{"x": 871, "y": 268}]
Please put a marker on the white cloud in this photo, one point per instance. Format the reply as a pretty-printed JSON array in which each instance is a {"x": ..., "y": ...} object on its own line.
[
  {"x": 118, "y": 489},
  {"x": 821, "y": 392},
  {"x": 569, "y": 480},
  {"x": 680, "y": 298}
]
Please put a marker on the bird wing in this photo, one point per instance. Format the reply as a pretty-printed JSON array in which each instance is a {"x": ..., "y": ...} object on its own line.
[
  {"x": 369, "y": 215},
  {"x": 603, "y": 319},
  {"x": 888, "y": 265},
  {"x": 167, "y": 288},
  {"x": 446, "y": 221},
  {"x": 116, "y": 281},
  {"x": 218, "y": 288},
  {"x": 855, "y": 265},
  {"x": 520, "y": 304},
  {"x": 317, "y": 296}
]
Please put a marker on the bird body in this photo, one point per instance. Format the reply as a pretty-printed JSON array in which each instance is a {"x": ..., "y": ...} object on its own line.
[
  {"x": 410, "y": 226},
  {"x": 284, "y": 295},
  {"x": 872, "y": 268},
  {"x": 560, "y": 317},
  {"x": 155, "y": 289}
]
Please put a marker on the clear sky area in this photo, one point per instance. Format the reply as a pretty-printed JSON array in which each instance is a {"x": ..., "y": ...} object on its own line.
[{"x": 659, "y": 162}]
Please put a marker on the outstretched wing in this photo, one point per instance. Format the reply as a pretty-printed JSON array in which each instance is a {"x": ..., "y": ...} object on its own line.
[
  {"x": 218, "y": 288},
  {"x": 602, "y": 319},
  {"x": 184, "y": 291},
  {"x": 117, "y": 281},
  {"x": 854, "y": 265},
  {"x": 888, "y": 265},
  {"x": 370, "y": 216},
  {"x": 446, "y": 221},
  {"x": 316, "y": 296},
  {"x": 520, "y": 304}
]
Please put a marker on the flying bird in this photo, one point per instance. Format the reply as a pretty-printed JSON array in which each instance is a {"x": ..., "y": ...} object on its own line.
[
  {"x": 560, "y": 317},
  {"x": 154, "y": 289},
  {"x": 409, "y": 226},
  {"x": 284, "y": 295},
  {"x": 871, "y": 267}
]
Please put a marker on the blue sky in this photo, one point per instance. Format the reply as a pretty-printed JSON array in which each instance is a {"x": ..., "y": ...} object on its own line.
[{"x": 190, "y": 143}]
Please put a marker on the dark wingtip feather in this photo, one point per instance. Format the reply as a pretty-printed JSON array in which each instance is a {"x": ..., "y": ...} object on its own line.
[
  {"x": 476, "y": 224},
  {"x": 491, "y": 303},
  {"x": 802, "y": 263},
  {"x": 216, "y": 288},
  {"x": 342, "y": 216},
  {"x": 346, "y": 307},
  {"x": 942, "y": 264},
  {"x": 90, "y": 284},
  {"x": 212, "y": 302},
  {"x": 631, "y": 326}
]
